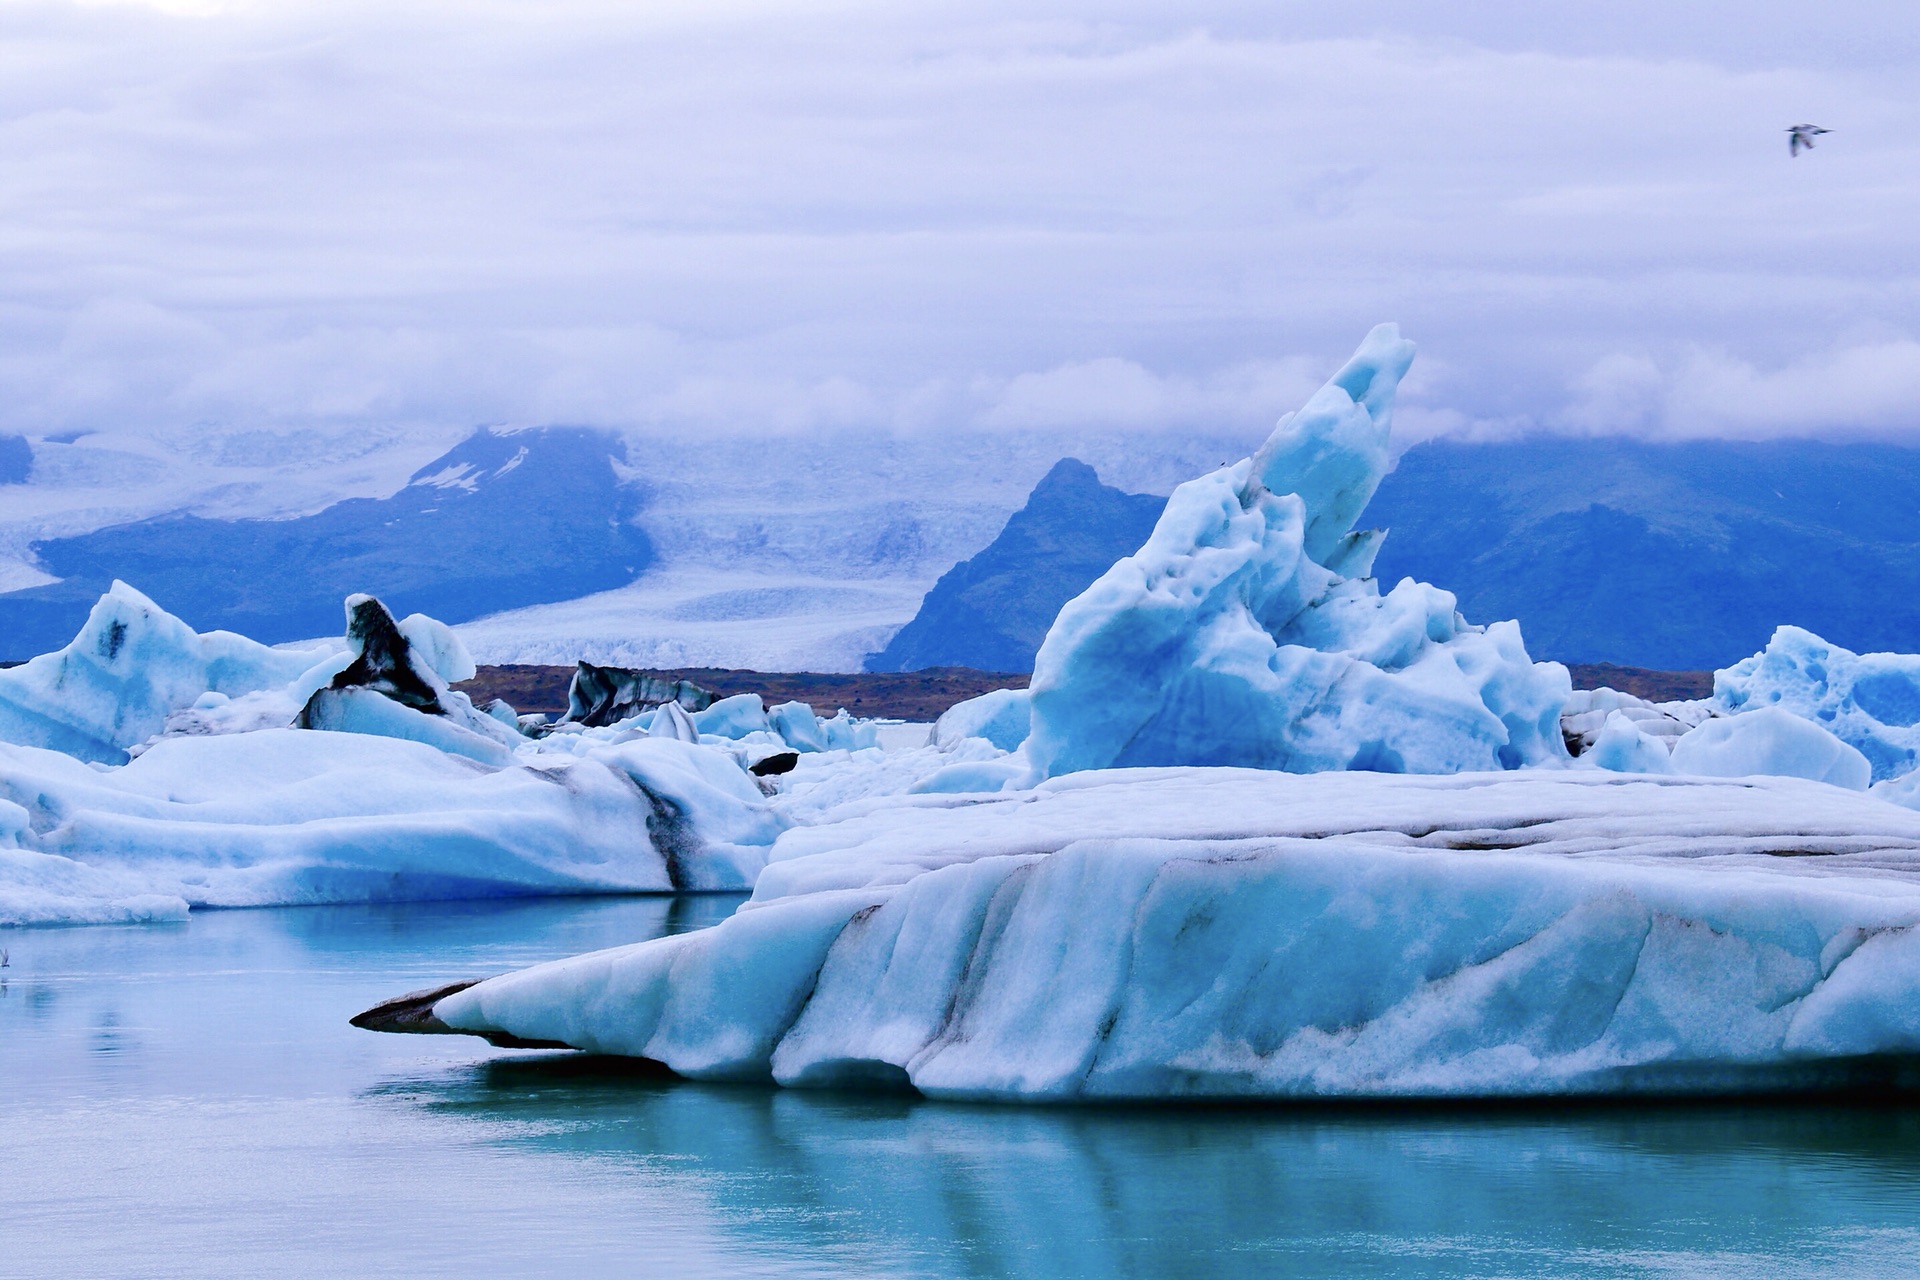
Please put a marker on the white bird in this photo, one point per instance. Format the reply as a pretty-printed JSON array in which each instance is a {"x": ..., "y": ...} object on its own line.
[{"x": 1802, "y": 135}]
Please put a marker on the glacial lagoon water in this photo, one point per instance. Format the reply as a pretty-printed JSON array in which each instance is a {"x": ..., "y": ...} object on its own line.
[{"x": 188, "y": 1100}]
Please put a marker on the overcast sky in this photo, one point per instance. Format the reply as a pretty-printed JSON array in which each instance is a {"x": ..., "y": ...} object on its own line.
[{"x": 749, "y": 217}]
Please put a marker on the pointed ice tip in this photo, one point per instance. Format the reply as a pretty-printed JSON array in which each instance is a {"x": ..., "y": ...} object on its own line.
[{"x": 1377, "y": 366}]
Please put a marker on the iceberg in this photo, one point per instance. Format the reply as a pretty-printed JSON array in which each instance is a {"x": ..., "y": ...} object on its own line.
[
  {"x": 1870, "y": 701},
  {"x": 1002, "y": 717},
  {"x": 1770, "y": 741},
  {"x": 601, "y": 696},
  {"x": 395, "y": 686},
  {"x": 1258, "y": 830},
  {"x": 1248, "y": 632},
  {"x": 133, "y": 665},
  {"x": 287, "y": 816},
  {"x": 1226, "y": 933},
  {"x": 146, "y": 770},
  {"x": 1623, "y": 746}
]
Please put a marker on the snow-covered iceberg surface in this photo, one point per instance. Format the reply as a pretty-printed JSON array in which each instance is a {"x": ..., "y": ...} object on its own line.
[
  {"x": 1163, "y": 933},
  {"x": 1247, "y": 631}
]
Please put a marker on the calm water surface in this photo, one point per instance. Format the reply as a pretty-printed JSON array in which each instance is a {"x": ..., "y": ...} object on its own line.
[{"x": 188, "y": 1100}]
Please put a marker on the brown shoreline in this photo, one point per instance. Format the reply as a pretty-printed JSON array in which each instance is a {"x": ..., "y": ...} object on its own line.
[{"x": 924, "y": 695}]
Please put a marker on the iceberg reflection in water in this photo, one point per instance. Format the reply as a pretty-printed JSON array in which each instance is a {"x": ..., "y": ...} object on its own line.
[{"x": 188, "y": 1100}]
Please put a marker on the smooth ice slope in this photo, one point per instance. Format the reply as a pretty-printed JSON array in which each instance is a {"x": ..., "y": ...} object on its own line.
[
  {"x": 132, "y": 665},
  {"x": 1770, "y": 741},
  {"x": 1871, "y": 701},
  {"x": 1233, "y": 933},
  {"x": 1247, "y": 632}
]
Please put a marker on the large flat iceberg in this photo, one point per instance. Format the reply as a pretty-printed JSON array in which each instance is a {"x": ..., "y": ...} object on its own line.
[{"x": 1230, "y": 933}]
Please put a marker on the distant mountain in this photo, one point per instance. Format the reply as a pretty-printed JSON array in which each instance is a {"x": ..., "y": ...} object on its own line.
[
  {"x": 500, "y": 521},
  {"x": 992, "y": 611},
  {"x": 16, "y": 459},
  {"x": 1676, "y": 557}
]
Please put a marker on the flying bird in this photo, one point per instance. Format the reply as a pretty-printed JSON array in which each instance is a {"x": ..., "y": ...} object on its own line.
[{"x": 1802, "y": 135}]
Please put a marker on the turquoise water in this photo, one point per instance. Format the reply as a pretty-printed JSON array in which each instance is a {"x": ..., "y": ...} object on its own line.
[{"x": 188, "y": 1100}]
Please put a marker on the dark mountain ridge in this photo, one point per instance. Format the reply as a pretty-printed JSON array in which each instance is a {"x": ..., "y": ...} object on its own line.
[
  {"x": 500, "y": 521},
  {"x": 1675, "y": 557},
  {"x": 996, "y": 608}
]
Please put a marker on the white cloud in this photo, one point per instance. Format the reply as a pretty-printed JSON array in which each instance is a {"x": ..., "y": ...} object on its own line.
[
  {"x": 750, "y": 217},
  {"x": 1864, "y": 389}
]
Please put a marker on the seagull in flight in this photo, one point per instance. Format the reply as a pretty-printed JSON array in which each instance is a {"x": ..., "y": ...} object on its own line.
[{"x": 1802, "y": 135}]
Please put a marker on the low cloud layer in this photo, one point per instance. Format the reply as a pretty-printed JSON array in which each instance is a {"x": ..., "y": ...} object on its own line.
[{"x": 755, "y": 217}]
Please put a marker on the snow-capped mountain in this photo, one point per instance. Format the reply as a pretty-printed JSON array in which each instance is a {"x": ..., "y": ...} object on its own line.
[{"x": 501, "y": 520}]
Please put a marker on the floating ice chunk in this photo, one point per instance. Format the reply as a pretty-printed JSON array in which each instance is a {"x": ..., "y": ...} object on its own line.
[
  {"x": 1001, "y": 716},
  {"x": 670, "y": 721},
  {"x": 1228, "y": 933},
  {"x": 132, "y": 665},
  {"x": 1770, "y": 741},
  {"x": 356, "y": 709},
  {"x": 1623, "y": 747},
  {"x": 798, "y": 726},
  {"x": 1868, "y": 700},
  {"x": 734, "y": 717},
  {"x": 1587, "y": 711},
  {"x": 1233, "y": 636},
  {"x": 844, "y": 733},
  {"x": 394, "y": 690},
  {"x": 436, "y": 645},
  {"x": 601, "y": 696}
]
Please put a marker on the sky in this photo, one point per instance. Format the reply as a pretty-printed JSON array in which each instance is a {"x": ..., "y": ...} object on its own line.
[{"x": 258, "y": 221}]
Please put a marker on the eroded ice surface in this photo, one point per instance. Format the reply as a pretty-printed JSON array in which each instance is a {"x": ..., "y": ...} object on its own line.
[
  {"x": 1181, "y": 932},
  {"x": 1248, "y": 632},
  {"x": 1871, "y": 701}
]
